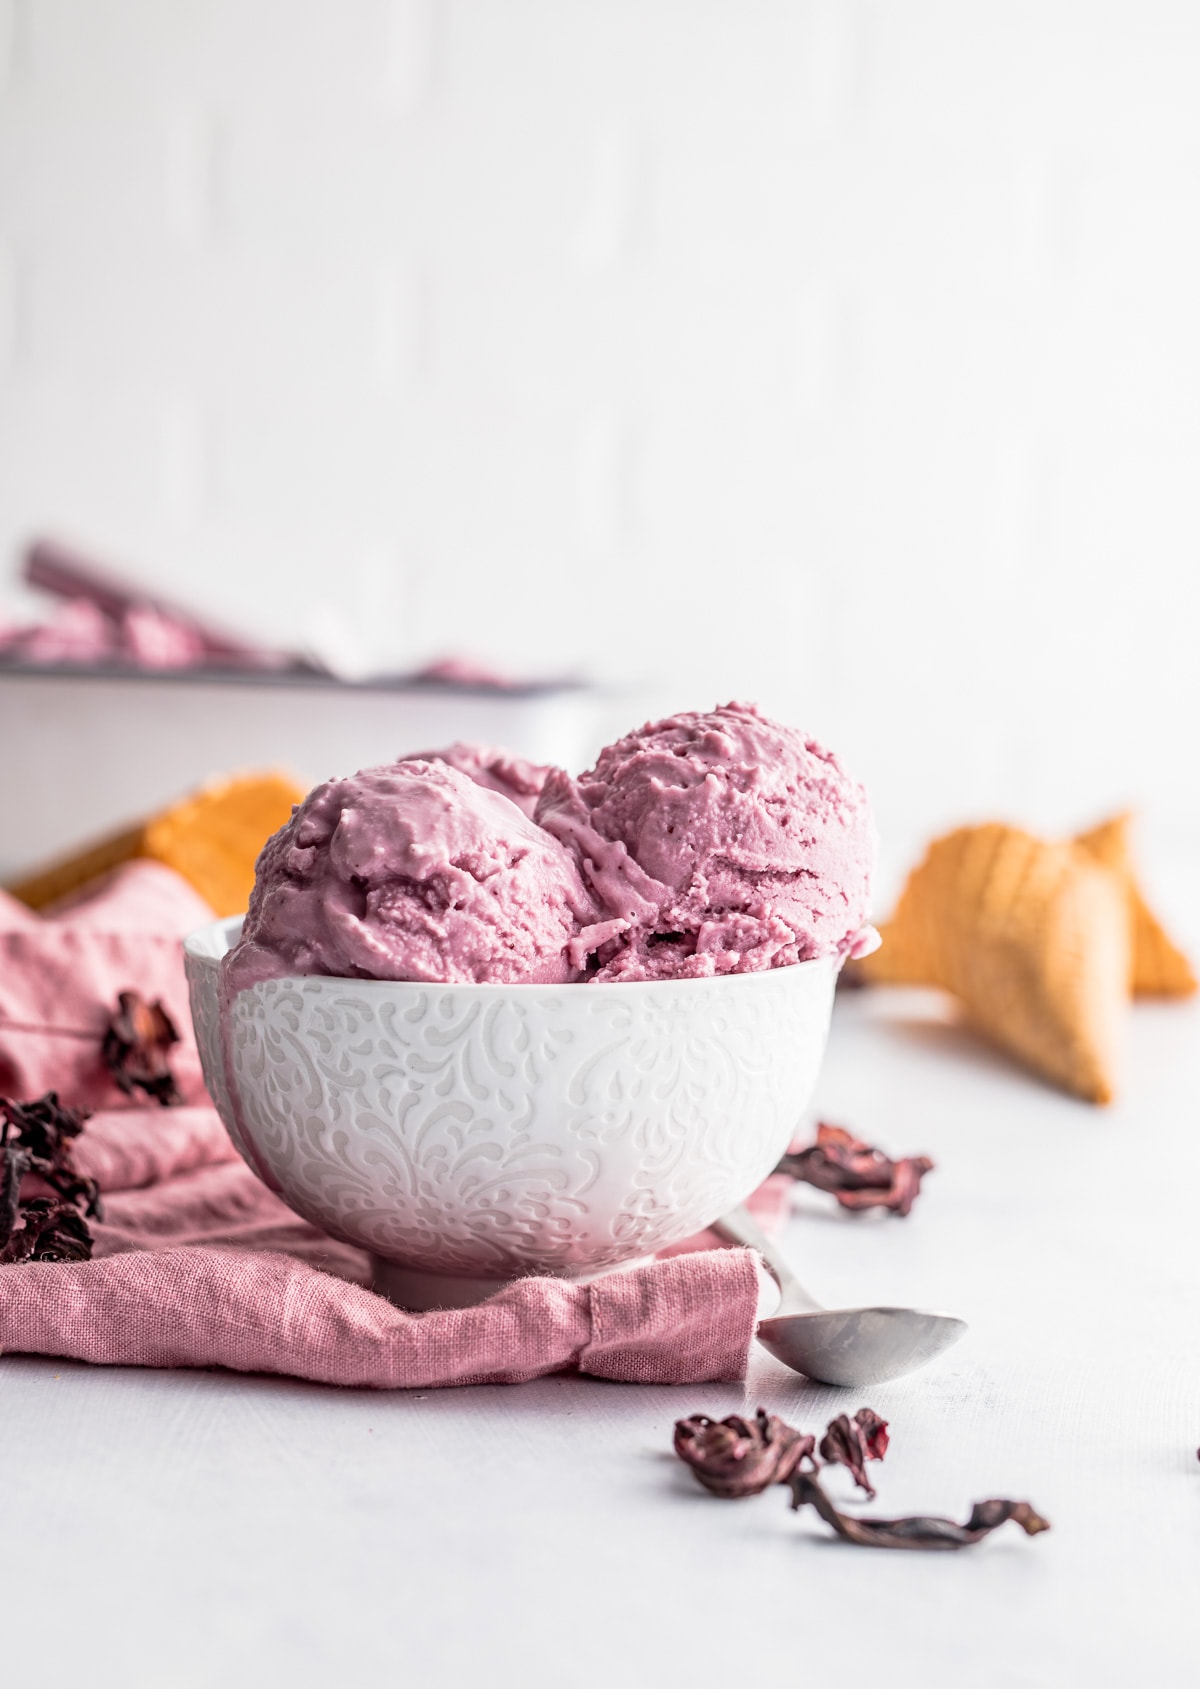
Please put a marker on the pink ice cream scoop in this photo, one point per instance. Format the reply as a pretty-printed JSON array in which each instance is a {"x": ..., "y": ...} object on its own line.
[
  {"x": 498, "y": 770},
  {"x": 718, "y": 842},
  {"x": 413, "y": 872}
]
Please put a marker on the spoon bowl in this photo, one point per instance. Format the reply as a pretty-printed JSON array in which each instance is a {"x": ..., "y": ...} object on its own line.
[
  {"x": 850, "y": 1347},
  {"x": 858, "y": 1346}
]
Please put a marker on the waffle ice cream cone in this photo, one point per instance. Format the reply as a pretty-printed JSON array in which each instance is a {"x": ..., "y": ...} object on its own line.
[
  {"x": 212, "y": 838},
  {"x": 1158, "y": 967},
  {"x": 1032, "y": 938}
]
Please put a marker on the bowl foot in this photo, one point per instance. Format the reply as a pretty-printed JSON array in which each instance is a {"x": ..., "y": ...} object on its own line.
[{"x": 419, "y": 1292}]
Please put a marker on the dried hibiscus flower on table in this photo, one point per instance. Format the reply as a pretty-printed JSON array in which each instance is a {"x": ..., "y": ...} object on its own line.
[
  {"x": 135, "y": 1049},
  {"x": 856, "y": 1173},
  {"x": 852, "y": 1442},
  {"x": 738, "y": 1457},
  {"x": 35, "y": 1139},
  {"x": 919, "y": 1530}
]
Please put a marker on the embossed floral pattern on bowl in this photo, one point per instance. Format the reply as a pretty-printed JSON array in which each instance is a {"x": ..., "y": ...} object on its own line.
[{"x": 487, "y": 1131}]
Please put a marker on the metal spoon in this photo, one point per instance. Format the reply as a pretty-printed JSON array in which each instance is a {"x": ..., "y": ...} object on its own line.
[{"x": 849, "y": 1346}]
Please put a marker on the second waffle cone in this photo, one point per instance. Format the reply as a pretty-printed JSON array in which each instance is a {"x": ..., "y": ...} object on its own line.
[{"x": 1031, "y": 937}]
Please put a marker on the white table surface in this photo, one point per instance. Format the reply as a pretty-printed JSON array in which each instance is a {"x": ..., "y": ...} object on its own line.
[{"x": 178, "y": 1529}]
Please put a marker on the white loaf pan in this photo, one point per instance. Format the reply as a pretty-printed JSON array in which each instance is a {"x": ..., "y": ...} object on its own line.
[{"x": 83, "y": 752}]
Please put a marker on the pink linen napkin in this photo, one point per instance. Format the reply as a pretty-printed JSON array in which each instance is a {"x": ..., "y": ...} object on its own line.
[
  {"x": 60, "y": 974},
  {"x": 198, "y": 1264}
]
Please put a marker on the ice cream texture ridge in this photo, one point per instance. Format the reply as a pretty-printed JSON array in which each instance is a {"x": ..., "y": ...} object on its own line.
[{"x": 709, "y": 843}]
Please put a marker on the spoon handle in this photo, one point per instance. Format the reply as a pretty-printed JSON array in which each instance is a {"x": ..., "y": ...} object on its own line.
[{"x": 738, "y": 1227}]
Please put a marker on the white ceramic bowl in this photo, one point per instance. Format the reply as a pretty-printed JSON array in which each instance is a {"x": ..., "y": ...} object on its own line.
[{"x": 467, "y": 1134}]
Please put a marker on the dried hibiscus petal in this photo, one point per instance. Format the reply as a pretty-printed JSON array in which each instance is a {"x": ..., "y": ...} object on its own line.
[
  {"x": 14, "y": 1164},
  {"x": 44, "y": 1126},
  {"x": 136, "y": 1046},
  {"x": 919, "y": 1531},
  {"x": 36, "y": 1138},
  {"x": 857, "y": 1174},
  {"x": 41, "y": 1133},
  {"x": 737, "y": 1457},
  {"x": 48, "y": 1231},
  {"x": 874, "y": 1432},
  {"x": 852, "y": 1442}
]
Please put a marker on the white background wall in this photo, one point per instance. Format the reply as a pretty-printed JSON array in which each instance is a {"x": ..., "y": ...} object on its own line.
[{"x": 843, "y": 354}]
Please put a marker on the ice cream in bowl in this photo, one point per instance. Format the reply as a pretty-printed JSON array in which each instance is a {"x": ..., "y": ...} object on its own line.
[{"x": 483, "y": 1020}]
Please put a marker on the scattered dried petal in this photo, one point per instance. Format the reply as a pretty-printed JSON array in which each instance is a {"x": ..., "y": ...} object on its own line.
[
  {"x": 739, "y": 1457},
  {"x": 919, "y": 1531},
  {"x": 135, "y": 1049},
  {"x": 856, "y": 1173},
  {"x": 36, "y": 1138},
  {"x": 852, "y": 1442},
  {"x": 874, "y": 1432},
  {"x": 48, "y": 1231},
  {"x": 44, "y": 1126},
  {"x": 14, "y": 1164}
]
